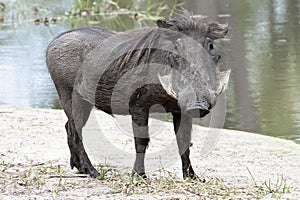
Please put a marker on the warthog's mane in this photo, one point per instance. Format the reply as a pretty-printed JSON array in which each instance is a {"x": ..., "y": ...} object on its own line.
[
  {"x": 140, "y": 47},
  {"x": 185, "y": 24}
]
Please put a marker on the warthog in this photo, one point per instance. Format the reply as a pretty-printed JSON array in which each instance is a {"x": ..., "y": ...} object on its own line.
[{"x": 173, "y": 65}]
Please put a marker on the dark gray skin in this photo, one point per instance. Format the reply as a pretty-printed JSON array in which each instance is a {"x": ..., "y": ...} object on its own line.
[{"x": 67, "y": 55}]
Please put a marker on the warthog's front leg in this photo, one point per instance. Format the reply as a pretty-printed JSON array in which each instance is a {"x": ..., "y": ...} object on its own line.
[{"x": 183, "y": 127}]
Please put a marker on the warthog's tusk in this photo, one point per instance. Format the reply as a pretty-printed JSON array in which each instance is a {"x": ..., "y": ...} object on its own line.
[
  {"x": 223, "y": 81},
  {"x": 166, "y": 83}
]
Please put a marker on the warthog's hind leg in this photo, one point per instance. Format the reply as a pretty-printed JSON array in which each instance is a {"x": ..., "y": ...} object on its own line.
[{"x": 79, "y": 157}]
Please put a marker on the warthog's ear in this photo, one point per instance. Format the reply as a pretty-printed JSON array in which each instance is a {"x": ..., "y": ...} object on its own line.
[
  {"x": 217, "y": 30},
  {"x": 223, "y": 78},
  {"x": 166, "y": 83},
  {"x": 166, "y": 24}
]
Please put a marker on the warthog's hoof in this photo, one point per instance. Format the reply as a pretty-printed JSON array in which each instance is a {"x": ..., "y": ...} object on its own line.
[
  {"x": 89, "y": 169},
  {"x": 193, "y": 177},
  {"x": 140, "y": 175},
  {"x": 86, "y": 168}
]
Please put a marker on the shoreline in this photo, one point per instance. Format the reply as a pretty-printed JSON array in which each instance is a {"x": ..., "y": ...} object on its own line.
[{"x": 35, "y": 136}]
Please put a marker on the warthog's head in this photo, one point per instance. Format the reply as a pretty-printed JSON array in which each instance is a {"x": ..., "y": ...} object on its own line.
[{"x": 194, "y": 79}]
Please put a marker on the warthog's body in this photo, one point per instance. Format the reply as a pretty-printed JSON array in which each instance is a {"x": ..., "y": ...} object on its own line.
[{"x": 148, "y": 67}]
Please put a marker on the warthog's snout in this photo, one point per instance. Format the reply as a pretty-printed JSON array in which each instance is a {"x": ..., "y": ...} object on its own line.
[{"x": 199, "y": 109}]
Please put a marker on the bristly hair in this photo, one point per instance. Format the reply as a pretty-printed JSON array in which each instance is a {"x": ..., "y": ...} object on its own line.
[
  {"x": 141, "y": 45},
  {"x": 186, "y": 22}
]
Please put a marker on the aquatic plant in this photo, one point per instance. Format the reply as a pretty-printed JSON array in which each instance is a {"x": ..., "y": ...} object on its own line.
[{"x": 117, "y": 14}]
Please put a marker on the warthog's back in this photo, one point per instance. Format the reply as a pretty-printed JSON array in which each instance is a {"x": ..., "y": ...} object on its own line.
[{"x": 67, "y": 51}]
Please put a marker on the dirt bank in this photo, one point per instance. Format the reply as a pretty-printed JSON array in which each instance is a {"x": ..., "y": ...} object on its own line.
[{"x": 33, "y": 151}]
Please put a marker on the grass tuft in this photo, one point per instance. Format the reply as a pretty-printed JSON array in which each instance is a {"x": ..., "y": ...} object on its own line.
[
  {"x": 42, "y": 178},
  {"x": 275, "y": 189}
]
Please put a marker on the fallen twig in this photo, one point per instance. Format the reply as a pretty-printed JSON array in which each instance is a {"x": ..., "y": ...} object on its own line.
[{"x": 68, "y": 176}]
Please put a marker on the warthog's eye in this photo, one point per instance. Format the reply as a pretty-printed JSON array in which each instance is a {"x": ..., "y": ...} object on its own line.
[{"x": 211, "y": 46}]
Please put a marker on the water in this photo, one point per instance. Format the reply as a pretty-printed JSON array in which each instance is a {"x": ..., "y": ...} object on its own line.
[
  {"x": 263, "y": 53},
  {"x": 24, "y": 79}
]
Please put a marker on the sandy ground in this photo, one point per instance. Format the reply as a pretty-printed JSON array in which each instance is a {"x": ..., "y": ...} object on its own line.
[{"x": 34, "y": 139}]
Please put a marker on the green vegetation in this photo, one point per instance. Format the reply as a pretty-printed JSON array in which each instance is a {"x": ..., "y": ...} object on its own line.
[
  {"x": 149, "y": 9},
  {"x": 118, "y": 15},
  {"x": 268, "y": 187},
  {"x": 111, "y": 14}
]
